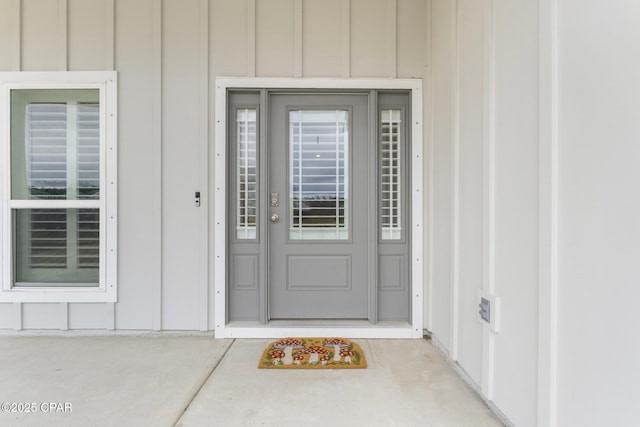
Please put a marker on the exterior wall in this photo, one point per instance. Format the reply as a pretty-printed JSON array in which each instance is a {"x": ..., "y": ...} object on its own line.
[
  {"x": 168, "y": 54},
  {"x": 534, "y": 170},
  {"x": 489, "y": 104},
  {"x": 485, "y": 194},
  {"x": 599, "y": 272}
]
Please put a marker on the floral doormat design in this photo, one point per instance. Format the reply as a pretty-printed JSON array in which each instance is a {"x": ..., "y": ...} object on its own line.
[{"x": 313, "y": 353}]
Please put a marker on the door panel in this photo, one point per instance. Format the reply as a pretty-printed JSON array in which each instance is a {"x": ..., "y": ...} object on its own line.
[{"x": 319, "y": 186}]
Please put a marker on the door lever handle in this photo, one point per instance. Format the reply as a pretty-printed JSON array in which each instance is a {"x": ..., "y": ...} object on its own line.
[{"x": 275, "y": 218}]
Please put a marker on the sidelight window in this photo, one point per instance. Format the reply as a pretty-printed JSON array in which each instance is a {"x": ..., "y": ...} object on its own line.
[
  {"x": 246, "y": 134},
  {"x": 390, "y": 174}
]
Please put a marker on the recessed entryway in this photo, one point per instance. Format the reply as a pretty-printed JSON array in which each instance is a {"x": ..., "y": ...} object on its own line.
[{"x": 318, "y": 190}]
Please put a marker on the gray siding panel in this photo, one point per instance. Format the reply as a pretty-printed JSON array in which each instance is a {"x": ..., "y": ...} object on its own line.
[
  {"x": 369, "y": 38},
  {"x": 7, "y": 316},
  {"x": 274, "y": 38},
  {"x": 43, "y": 35},
  {"x": 139, "y": 190},
  {"x": 322, "y": 38},
  {"x": 42, "y": 316},
  {"x": 7, "y": 32},
  {"x": 180, "y": 165},
  {"x": 88, "y": 43},
  {"x": 87, "y": 316}
]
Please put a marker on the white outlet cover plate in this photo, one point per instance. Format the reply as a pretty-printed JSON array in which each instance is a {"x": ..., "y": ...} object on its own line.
[{"x": 494, "y": 302}]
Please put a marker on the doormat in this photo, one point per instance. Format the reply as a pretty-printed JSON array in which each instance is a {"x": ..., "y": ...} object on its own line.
[{"x": 313, "y": 353}]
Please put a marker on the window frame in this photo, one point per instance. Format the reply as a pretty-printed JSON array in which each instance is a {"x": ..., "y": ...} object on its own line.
[{"x": 106, "y": 291}]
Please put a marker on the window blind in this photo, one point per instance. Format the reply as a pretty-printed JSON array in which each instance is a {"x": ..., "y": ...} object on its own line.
[
  {"x": 390, "y": 174},
  {"x": 62, "y": 161},
  {"x": 319, "y": 175},
  {"x": 246, "y": 144}
]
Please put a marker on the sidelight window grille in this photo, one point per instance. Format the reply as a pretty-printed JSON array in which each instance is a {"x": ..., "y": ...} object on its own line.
[
  {"x": 246, "y": 134},
  {"x": 390, "y": 174},
  {"x": 318, "y": 182}
]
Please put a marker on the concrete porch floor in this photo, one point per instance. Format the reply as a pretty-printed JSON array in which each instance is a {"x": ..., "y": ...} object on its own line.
[{"x": 162, "y": 380}]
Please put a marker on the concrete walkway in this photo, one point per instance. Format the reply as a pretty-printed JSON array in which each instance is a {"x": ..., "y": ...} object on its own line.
[{"x": 198, "y": 381}]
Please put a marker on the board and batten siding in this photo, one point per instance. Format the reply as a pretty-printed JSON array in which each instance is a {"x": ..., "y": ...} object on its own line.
[
  {"x": 541, "y": 215},
  {"x": 489, "y": 211},
  {"x": 168, "y": 54}
]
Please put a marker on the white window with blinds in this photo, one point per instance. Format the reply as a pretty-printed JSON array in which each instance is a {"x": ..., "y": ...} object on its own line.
[{"x": 59, "y": 222}]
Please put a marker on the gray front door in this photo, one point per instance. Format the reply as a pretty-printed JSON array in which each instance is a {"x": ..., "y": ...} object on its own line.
[{"x": 318, "y": 206}]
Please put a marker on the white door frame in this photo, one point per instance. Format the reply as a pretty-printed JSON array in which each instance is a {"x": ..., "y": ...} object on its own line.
[{"x": 222, "y": 330}]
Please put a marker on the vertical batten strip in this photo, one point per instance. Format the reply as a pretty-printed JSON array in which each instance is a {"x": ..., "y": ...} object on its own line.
[
  {"x": 16, "y": 34},
  {"x": 548, "y": 216},
  {"x": 430, "y": 165},
  {"x": 392, "y": 35},
  {"x": 345, "y": 21},
  {"x": 17, "y": 317},
  {"x": 455, "y": 180},
  {"x": 297, "y": 38},
  {"x": 203, "y": 151},
  {"x": 64, "y": 316},
  {"x": 488, "y": 347},
  {"x": 109, "y": 31},
  {"x": 63, "y": 29},
  {"x": 251, "y": 38},
  {"x": 109, "y": 19},
  {"x": 16, "y": 64},
  {"x": 156, "y": 161}
]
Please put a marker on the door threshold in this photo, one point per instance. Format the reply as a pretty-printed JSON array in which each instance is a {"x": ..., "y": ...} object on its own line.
[{"x": 319, "y": 328}]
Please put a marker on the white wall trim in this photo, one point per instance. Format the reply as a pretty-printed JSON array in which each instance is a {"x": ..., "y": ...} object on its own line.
[
  {"x": 548, "y": 215},
  {"x": 417, "y": 214},
  {"x": 110, "y": 64},
  {"x": 430, "y": 103},
  {"x": 488, "y": 282},
  {"x": 222, "y": 330},
  {"x": 283, "y": 332},
  {"x": 110, "y": 60}
]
